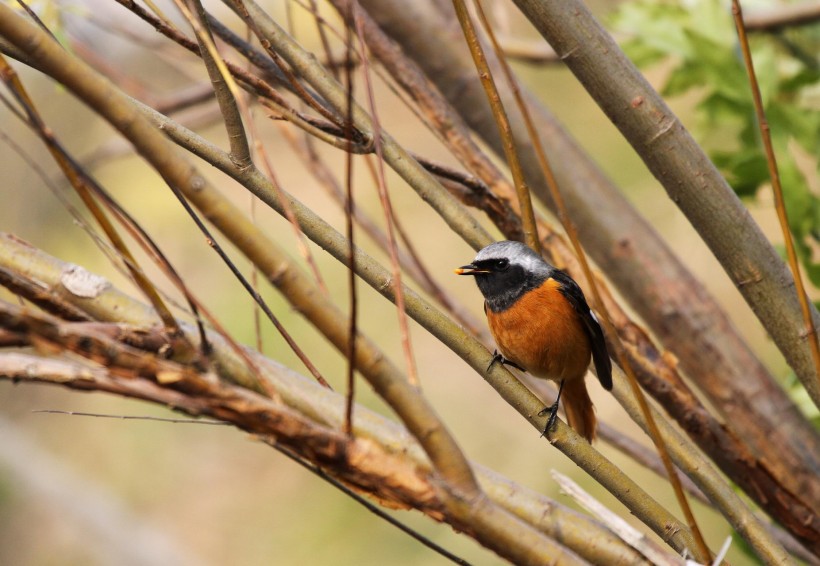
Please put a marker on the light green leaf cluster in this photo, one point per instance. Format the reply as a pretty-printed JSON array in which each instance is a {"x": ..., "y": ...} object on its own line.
[{"x": 698, "y": 41}]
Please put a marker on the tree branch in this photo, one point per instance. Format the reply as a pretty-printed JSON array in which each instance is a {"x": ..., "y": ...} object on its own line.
[
  {"x": 783, "y": 16},
  {"x": 684, "y": 170}
]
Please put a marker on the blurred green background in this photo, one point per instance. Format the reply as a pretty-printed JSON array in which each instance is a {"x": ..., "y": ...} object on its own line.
[{"x": 77, "y": 490}]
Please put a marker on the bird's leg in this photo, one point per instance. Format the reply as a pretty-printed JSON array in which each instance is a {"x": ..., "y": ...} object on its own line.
[
  {"x": 503, "y": 361},
  {"x": 552, "y": 410}
]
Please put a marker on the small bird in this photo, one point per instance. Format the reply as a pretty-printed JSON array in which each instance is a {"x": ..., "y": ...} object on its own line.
[{"x": 542, "y": 324}]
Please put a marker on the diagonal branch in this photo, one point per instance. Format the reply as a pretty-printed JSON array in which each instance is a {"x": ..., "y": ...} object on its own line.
[
  {"x": 223, "y": 84},
  {"x": 684, "y": 170},
  {"x": 502, "y": 121}
]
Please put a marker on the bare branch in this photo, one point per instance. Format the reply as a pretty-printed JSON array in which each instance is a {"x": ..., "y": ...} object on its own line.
[{"x": 783, "y": 16}]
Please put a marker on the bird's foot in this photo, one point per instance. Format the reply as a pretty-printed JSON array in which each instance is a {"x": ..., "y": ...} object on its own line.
[
  {"x": 498, "y": 358},
  {"x": 553, "y": 412}
]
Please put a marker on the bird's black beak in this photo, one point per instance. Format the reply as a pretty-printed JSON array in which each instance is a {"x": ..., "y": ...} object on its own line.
[{"x": 470, "y": 270}]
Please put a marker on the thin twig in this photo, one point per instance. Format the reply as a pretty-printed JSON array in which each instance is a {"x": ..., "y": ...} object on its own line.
[
  {"x": 224, "y": 86},
  {"x": 387, "y": 207},
  {"x": 313, "y": 9},
  {"x": 131, "y": 417},
  {"x": 350, "y": 208},
  {"x": 780, "y": 205},
  {"x": 503, "y": 123},
  {"x": 627, "y": 532},
  {"x": 251, "y": 290},
  {"x": 293, "y": 456}
]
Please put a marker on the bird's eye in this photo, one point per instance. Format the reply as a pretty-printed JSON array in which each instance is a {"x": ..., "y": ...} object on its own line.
[{"x": 502, "y": 264}]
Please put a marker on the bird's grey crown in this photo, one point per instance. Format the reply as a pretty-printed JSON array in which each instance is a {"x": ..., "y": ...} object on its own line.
[
  {"x": 517, "y": 254},
  {"x": 503, "y": 287}
]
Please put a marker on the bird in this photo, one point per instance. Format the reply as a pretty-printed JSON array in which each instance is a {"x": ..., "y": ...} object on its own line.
[{"x": 542, "y": 324}]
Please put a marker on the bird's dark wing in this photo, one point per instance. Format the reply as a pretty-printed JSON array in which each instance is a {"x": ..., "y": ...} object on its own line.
[{"x": 600, "y": 357}]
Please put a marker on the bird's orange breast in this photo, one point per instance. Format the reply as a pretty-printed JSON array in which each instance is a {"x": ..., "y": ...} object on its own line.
[{"x": 541, "y": 332}]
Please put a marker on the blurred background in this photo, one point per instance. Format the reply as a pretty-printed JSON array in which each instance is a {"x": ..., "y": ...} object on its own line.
[{"x": 82, "y": 490}]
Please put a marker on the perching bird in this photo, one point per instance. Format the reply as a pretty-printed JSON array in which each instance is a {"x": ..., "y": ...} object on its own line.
[{"x": 542, "y": 324}]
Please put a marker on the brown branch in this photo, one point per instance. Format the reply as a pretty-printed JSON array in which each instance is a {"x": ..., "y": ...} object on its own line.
[
  {"x": 502, "y": 121},
  {"x": 223, "y": 84},
  {"x": 349, "y": 207},
  {"x": 783, "y": 16},
  {"x": 359, "y": 463}
]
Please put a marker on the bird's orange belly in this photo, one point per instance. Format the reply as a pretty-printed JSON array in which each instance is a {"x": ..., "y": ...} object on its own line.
[{"x": 541, "y": 332}]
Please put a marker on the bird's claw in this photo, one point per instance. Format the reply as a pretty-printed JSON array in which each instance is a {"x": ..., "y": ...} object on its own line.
[
  {"x": 498, "y": 358},
  {"x": 553, "y": 412}
]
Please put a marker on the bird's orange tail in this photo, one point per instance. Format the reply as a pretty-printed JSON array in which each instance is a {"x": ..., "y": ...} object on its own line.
[{"x": 579, "y": 409}]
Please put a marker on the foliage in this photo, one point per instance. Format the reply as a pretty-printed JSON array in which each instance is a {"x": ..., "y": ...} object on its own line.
[{"x": 698, "y": 39}]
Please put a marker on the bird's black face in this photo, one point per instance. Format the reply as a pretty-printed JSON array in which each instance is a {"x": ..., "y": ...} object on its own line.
[{"x": 501, "y": 281}]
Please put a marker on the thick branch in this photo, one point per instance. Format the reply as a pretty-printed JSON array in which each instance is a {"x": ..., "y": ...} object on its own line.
[
  {"x": 359, "y": 463},
  {"x": 686, "y": 173}
]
